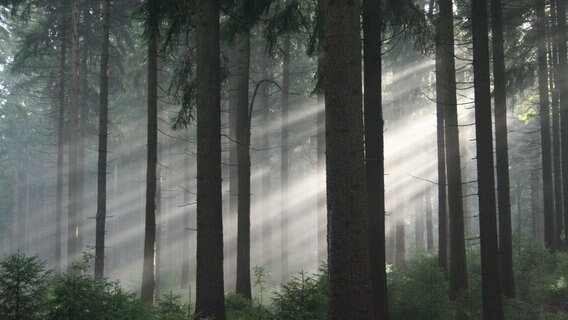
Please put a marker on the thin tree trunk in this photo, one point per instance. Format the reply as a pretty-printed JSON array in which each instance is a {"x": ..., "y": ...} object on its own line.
[
  {"x": 545, "y": 129},
  {"x": 374, "y": 157},
  {"x": 102, "y": 161},
  {"x": 441, "y": 151},
  {"x": 553, "y": 76},
  {"x": 563, "y": 83},
  {"x": 419, "y": 224},
  {"x": 243, "y": 160},
  {"x": 320, "y": 147},
  {"x": 60, "y": 140},
  {"x": 429, "y": 227},
  {"x": 535, "y": 206},
  {"x": 148, "y": 290},
  {"x": 490, "y": 279},
  {"x": 445, "y": 73},
  {"x": 502, "y": 152},
  {"x": 210, "y": 301},
  {"x": 230, "y": 250},
  {"x": 26, "y": 244},
  {"x": 73, "y": 245},
  {"x": 284, "y": 164},
  {"x": 350, "y": 295},
  {"x": 83, "y": 109},
  {"x": 15, "y": 237},
  {"x": 186, "y": 237},
  {"x": 266, "y": 191}
]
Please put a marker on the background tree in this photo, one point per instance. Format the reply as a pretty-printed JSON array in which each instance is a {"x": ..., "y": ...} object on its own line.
[
  {"x": 545, "y": 130},
  {"x": 148, "y": 290},
  {"x": 492, "y": 304},
  {"x": 445, "y": 74},
  {"x": 502, "y": 152},
  {"x": 103, "y": 133}
]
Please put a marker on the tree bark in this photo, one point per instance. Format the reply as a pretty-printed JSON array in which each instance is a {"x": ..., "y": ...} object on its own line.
[
  {"x": 243, "y": 160},
  {"x": 350, "y": 292},
  {"x": 320, "y": 147},
  {"x": 502, "y": 152},
  {"x": 148, "y": 291},
  {"x": 186, "y": 237},
  {"x": 60, "y": 140},
  {"x": 374, "y": 156},
  {"x": 266, "y": 191},
  {"x": 446, "y": 74},
  {"x": 490, "y": 279},
  {"x": 73, "y": 245},
  {"x": 545, "y": 129},
  {"x": 562, "y": 85},
  {"x": 210, "y": 301},
  {"x": 553, "y": 77},
  {"x": 102, "y": 161},
  {"x": 429, "y": 227},
  {"x": 284, "y": 163},
  {"x": 230, "y": 250}
]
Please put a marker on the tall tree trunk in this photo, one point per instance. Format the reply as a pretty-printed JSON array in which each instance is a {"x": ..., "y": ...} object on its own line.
[
  {"x": 535, "y": 206},
  {"x": 400, "y": 236},
  {"x": 446, "y": 74},
  {"x": 60, "y": 139},
  {"x": 230, "y": 250},
  {"x": 73, "y": 244},
  {"x": 374, "y": 156},
  {"x": 429, "y": 227},
  {"x": 284, "y": 164},
  {"x": 441, "y": 150},
  {"x": 502, "y": 152},
  {"x": 553, "y": 76},
  {"x": 545, "y": 129},
  {"x": 350, "y": 295},
  {"x": 491, "y": 288},
  {"x": 562, "y": 85},
  {"x": 102, "y": 161},
  {"x": 148, "y": 290},
  {"x": 27, "y": 187},
  {"x": 266, "y": 191},
  {"x": 84, "y": 107},
  {"x": 320, "y": 147},
  {"x": 210, "y": 301},
  {"x": 243, "y": 160},
  {"x": 186, "y": 237},
  {"x": 15, "y": 234},
  {"x": 419, "y": 224}
]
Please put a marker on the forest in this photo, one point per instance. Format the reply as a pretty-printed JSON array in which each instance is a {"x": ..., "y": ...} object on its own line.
[{"x": 284, "y": 159}]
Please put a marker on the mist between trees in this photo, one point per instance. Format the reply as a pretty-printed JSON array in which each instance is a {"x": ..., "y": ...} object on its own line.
[{"x": 264, "y": 148}]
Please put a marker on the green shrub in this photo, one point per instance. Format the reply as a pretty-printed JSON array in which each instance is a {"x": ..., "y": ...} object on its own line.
[
  {"x": 419, "y": 291},
  {"x": 302, "y": 298},
  {"x": 77, "y": 296},
  {"x": 170, "y": 307},
  {"x": 240, "y": 308},
  {"x": 23, "y": 287}
]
